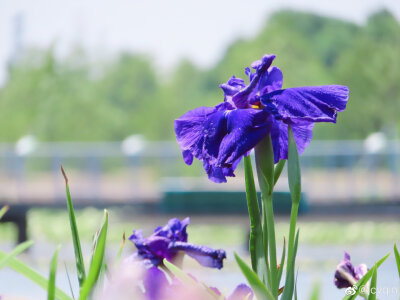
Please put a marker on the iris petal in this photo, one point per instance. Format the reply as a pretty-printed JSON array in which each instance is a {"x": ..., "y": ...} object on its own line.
[
  {"x": 206, "y": 256},
  {"x": 245, "y": 128},
  {"x": 241, "y": 292},
  {"x": 313, "y": 104},
  {"x": 302, "y": 133}
]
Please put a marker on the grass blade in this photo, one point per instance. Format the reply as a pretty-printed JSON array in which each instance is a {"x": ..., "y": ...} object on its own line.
[
  {"x": 31, "y": 274},
  {"x": 290, "y": 278},
  {"x": 51, "y": 290},
  {"x": 97, "y": 261},
  {"x": 3, "y": 210},
  {"x": 280, "y": 271},
  {"x": 256, "y": 245},
  {"x": 189, "y": 282},
  {"x": 315, "y": 291},
  {"x": 258, "y": 287},
  {"x": 17, "y": 250},
  {"x": 119, "y": 253},
  {"x": 278, "y": 170},
  {"x": 397, "y": 255},
  {"x": 365, "y": 279},
  {"x": 80, "y": 265},
  {"x": 372, "y": 293},
  {"x": 69, "y": 281}
]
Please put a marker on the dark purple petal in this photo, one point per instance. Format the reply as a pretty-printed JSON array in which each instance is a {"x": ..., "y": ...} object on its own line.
[
  {"x": 233, "y": 86},
  {"x": 245, "y": 128},
  {"x": 242, "y": 292},
  {"x": 302, "y": 133},
  {"x": 272, "y": 82},
  {"x": 187, "y": 157},
  {"x": 154, "y": 283},
  {"x": 242, "y": 98},
  {"x": 206, "y": 256},
  {"x": 313, "y": 104},
  {"x": 191, "y": 129}
]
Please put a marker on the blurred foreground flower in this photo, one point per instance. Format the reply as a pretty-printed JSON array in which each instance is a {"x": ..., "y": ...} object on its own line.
[
  {"x": 170, "y": 240},
  {"x": 346, "y": 274},
  {"x": 129, "y": 282},
  {"x": 219, "y": 136}
]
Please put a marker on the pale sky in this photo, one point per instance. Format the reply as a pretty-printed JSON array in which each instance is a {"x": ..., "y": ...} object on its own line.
[{"x": 167, "y": 30}]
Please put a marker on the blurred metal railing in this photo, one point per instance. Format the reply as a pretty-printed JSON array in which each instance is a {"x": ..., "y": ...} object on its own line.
[{"x": 138, "y": 170}]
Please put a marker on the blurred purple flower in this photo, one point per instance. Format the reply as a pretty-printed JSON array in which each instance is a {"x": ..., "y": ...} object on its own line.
[
  {"x": 219, "y": 136},
  {"x": 346, "y": 274},
  {"x": 168, "y": 241}
]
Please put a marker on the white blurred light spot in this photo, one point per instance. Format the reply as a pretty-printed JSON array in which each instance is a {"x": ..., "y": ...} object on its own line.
[
  {"x": 25, "y": 145},
  {"x": 375, "y": 142},
  {"x": 133, "y": 144}
]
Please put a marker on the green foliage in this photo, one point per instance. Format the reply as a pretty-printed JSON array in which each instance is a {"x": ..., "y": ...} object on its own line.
[
  {"x": 80, "y": 99},
  {"x": 51, "y": 290},
  {"x": 31, "y": 274}
]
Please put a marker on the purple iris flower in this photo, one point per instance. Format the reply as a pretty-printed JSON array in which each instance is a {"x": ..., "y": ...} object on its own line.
[
  {"x": 168, "y": 241},
  {"x": 219, "y": 136},
  {"x": 346, "y": 274}
]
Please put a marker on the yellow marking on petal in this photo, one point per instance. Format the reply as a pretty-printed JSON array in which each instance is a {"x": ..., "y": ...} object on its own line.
[{"x": 255, "y": 106}]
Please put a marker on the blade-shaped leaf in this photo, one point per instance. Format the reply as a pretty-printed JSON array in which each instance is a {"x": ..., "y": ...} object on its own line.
[
  {"x": 295, "y": 190},
  {"x": 80, "y": 265},
  {"x": 397, "y": 255},
  {"x": 372, "y": 293},
  {"x": 290, "y": 278},
  {"x": 31, "y": 274},
  {"x": 3, "y": 210},
  {"x": 278, "y": 170},
  {"x": 51, "y": 290},
  {"x": 256, "y": 245},
  {"x": 365, "y": 279},
  {"x": 17, "y": 250},
  {"x": 189, "y": 282},
  {"x": 258, "y": 287},
  {"x": 119, "y": 253},
  {"x": 280, "y": 271},
  {"x": 315, "y": 291},
  {"x": 294, "y": 169},
  {"x": 97, "y": 261}
]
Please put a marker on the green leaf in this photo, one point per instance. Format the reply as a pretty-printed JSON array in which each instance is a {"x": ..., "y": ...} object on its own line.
[
  {"x": 182, "y": 276},
  {"x": 97, "y": 261},
  {"x": 258, "y": 287},
  {"x": 372, "y": 295},
  {"x": 397, "y": 255},
  {"x": 278, "y": 170},
  {"x": 256, "y": 245},
  {"x": 280, "y": 271},
  {"x": 294, "y": 178},
  {"x": 265, "y": 165},
  {"x": 315, "y": 291},
  {"x": 189, "y": 282},
  {"x": 80, "y": 265},
  {"x": 17, "y": 250},
  {"x": 3, "y": 210},
  {"x": 290, "y": 278},
  {"x": 51, "y": 290},
  {"x": 31, "y": 274},
  {"x": 365, "y": 279},
  {"x": 294, "y": 169},
  {"x": 119, "y": 253}
]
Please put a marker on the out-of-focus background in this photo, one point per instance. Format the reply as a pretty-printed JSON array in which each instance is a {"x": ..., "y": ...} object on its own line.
[{"x": 96, "y": 85}]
